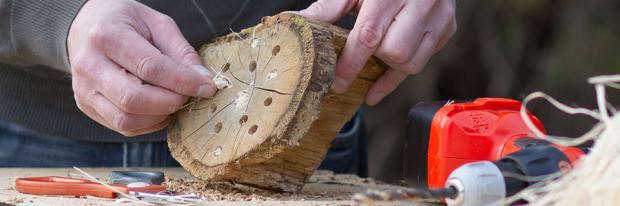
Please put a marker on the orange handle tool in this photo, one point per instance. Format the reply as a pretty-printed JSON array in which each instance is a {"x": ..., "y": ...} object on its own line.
[{"x": 64, "y": 186}]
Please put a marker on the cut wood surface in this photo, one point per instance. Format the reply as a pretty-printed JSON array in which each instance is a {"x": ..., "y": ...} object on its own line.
[{"x": 274, "y": 118}]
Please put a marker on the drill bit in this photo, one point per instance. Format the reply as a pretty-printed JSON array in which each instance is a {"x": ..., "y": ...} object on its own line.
[{"x": 409, "y": 194}]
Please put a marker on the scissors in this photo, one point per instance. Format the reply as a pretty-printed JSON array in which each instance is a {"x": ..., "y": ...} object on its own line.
[{"x": 64, "y": 186}]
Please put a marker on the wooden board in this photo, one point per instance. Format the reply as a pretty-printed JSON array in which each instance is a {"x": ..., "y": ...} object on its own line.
[
  {"x": 339, "y": 187},
  {"x": 274, "y": 118}
]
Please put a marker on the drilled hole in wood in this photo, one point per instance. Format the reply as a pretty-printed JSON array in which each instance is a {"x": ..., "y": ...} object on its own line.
[
  {"x": 268, "y": 101},
  {"x": 218, "y": 127},
  {"x": 275, "y": 50},
  {"x": 252, "y": 66},
  {"x": 226, "y": 67},
  {"x": 253, "y": 129},
  {"x": 243, "y": 119}
]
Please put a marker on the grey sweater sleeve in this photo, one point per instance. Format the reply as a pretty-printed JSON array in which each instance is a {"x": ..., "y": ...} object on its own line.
[{"x": 34, "y": 32}]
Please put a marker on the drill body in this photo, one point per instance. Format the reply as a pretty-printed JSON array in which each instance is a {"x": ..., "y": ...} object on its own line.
[
  {"x": 474, "y": 153},
  {"x": 479, "y": 148}
]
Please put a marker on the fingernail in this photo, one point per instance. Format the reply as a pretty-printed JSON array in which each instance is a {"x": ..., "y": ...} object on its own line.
[
  {"x": 203, "y": 71},
  {"x": 339, "y": 85},
  {"x": 206, "y": 90}
]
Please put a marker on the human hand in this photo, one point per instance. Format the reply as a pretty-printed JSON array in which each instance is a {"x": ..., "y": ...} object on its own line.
[
  {"x": 131, "y": 66},
  {"x": 402, "y": 33}
]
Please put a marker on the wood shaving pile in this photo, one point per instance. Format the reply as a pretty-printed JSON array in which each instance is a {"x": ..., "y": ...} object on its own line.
[
  {"x": 227, "y": 191},
  {"x": 14, "y": 200}
]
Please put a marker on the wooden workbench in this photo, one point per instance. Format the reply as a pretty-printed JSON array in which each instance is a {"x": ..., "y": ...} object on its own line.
[{"x": 342, "y": 186}]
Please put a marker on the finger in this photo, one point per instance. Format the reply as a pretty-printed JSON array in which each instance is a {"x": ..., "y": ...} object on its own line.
[
  {"x": 422, "y": 55},
  {"x": 90, "y": 112},
  {"x": 370, "y": 26},
  {"x": 402, "y": 38},
  {"x": 151, "y": 129},
  {"x": 328, "y": 10},
  {"x": 81, "y": 88},
  {"x": 446, "y": 14},
  {"x": 126, "y": 91},
  {"x": 449, "y": 30},
  {"x": 167, "y": 37},
  {"x": 134, "y": 53},
  {"x": 122, "y": 122},
  {"x": 385, "y": 85},
  {"x": 389, "y": 81}
]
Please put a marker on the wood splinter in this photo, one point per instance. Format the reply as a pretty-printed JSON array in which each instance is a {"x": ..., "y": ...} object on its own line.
[{"x": 272, "y": 126}]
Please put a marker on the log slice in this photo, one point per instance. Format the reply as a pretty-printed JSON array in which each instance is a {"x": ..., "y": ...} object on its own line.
[{"x": 273, "y": 123}]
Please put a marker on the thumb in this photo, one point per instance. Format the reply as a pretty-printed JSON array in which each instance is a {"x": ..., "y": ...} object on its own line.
[{"x": 328, "y": 10}]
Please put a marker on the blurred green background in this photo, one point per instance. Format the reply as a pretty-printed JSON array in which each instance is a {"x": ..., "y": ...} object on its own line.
[{"x": 507, "y": 49}]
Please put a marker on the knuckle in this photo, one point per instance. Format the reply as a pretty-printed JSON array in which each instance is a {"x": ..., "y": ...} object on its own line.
[
  {"x": 354, "y": 67},
  {"x": 351, "y": 71},
  {"x": 101, "y": 35},
  {"x": 148, "y": 69},
  {"x": 432, "y": 34},
  {"x": 80, "y": 65},
  {"x": 165, "y": 21},
  {"x": 121, "y": 121},
  {"x": 129, "y": 101},
  {"x": 415, "y": 67},
  {"x": 85, "y": 67},
  {"x": 187, "y": 51},
  {"x": 369, "y": 36},
  {"x": 399, "y": 55}
]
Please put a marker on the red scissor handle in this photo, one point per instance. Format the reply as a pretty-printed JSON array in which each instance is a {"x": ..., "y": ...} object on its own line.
[{"x": 51, "y": 185}]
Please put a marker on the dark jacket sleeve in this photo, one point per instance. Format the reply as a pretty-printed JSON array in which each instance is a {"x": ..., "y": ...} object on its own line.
[{"x": 34, "y": 32}]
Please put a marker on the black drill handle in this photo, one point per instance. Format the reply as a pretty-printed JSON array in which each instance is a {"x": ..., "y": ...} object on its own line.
[{"x": 526, "y": 167}]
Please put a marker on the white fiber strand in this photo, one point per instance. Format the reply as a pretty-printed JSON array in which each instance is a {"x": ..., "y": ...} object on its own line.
[{"x": 595, "y": 180}]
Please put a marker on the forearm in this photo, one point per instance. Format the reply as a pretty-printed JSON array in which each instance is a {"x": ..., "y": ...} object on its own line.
[{"x": 34, "y": 32}]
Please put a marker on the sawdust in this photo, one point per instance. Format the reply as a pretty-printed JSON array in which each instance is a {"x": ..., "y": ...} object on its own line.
[
  {"x": 222, "y": 82},
  {"x": 272, "y": 74},
  {"x": 243, "y": 97},
  {"x": 227, "y": 191},
  {"x": 14, "y": 200}
]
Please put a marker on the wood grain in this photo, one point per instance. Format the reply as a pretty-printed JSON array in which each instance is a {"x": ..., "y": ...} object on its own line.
[{"x": 272, "y": 127}]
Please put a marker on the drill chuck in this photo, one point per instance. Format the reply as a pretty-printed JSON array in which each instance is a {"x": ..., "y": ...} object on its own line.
[{"x": 478, "y": 183}]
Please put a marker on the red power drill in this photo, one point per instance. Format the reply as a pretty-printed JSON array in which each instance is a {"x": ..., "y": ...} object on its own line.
[{"x": 485, "y": 139}]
